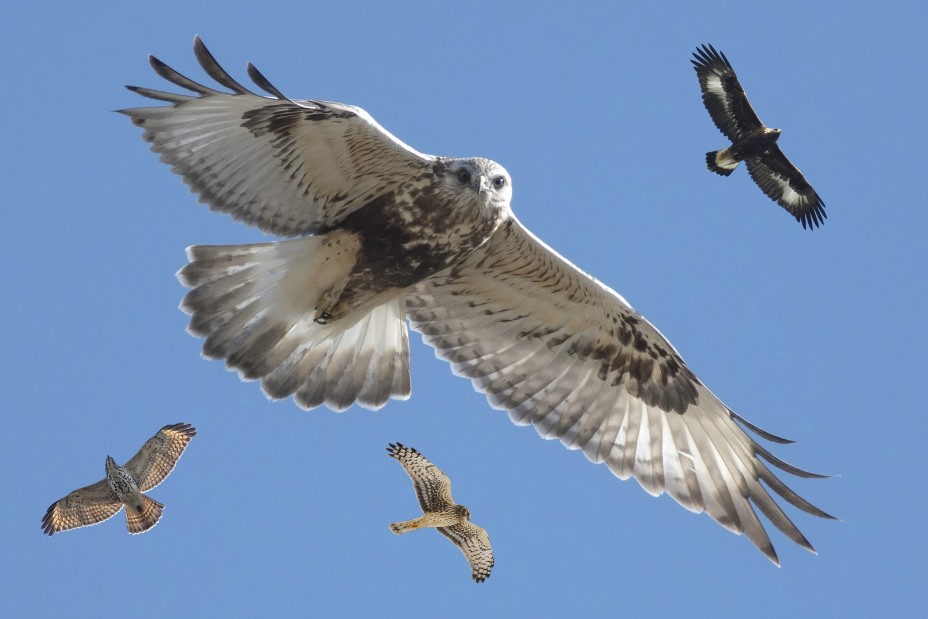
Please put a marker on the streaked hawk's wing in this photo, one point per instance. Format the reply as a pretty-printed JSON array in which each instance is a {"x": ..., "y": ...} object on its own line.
[
  {"x": 158, "y": 456},
  {"x": 289, "y": 167},
  {"x": 723, "y": 95},
  {"x": 782, "y": 181},
  {"x": 84, "y": 507},
  {"x": 433, "y": 488},
  {"x": 563, "y": 352},
  {"x": 474, "y": 542}
]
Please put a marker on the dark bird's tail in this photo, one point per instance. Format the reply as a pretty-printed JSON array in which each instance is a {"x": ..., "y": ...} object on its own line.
[{"x": 721, "y": 162}]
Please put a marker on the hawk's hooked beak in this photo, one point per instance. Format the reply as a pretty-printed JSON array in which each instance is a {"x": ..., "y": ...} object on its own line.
[{"x": 484, "y": 185}]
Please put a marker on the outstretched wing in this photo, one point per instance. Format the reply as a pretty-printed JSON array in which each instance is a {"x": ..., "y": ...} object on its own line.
[
  {"x": 564, "y": 353},
  {"x": 84, "y": 507},
  {"x": 158, "y": 456},
  {"x": 475, "y": 544},
  {"x": 723, "y": 95},
  {"x": 784, "y": 183},
  {"x": 289, "y": 167},
  {"x": 433, "y": 488}
]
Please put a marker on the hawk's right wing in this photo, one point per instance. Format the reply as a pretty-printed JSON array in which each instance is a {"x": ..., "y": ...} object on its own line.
[
  {"x": 723, "y": 95},
  {"x": 433, "y": 488},
  {"x": 561, "y": 351},
  {"x": 289, "y": 167},
  {"x": 158, "y": 456},
  {"x": 783, "y": 182},
  {"x": 85, "y": 506}
]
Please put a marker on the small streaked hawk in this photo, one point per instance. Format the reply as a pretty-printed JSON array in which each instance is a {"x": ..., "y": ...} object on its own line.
[
  {"x": 123, "y": 487},
  {"x": 433, "y": 489}
]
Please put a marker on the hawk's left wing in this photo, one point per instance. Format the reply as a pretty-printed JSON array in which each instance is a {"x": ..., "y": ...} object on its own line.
[
  {"x": 85, "y": 506},
  {"x": 564, "y": 353},
  {"x": 782, "y": 181},
  {"x": 158, "y": 456},
  {"x": 474, "y": 542}
]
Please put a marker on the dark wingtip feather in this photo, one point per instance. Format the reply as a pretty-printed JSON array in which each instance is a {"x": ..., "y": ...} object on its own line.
[
  {"x": 815, "y": 216},
  {"x": 214, "y": 69},
  {"x": 770, "y": 552},
  {"x": 760, "y": 431},
  {"x": 182, "y": 428},
  {"x": 159, "y": 66},
  {"x": 810, "y": 220},
  {"x": 790, "y": 496},
  {"x": 47, "y": 520},
  {"x": 264, "y": 84},
  {"x": 178, "y": 79},
  {"x": 160, "y": 95},
  {"x": 786, "y": 466},
  {"x": 711, "y": 55}
]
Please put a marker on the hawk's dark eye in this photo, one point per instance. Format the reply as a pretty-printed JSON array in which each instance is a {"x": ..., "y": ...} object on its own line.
[
  {"x": 499, "y": 182},
  {"x": 464, "y": 177}
]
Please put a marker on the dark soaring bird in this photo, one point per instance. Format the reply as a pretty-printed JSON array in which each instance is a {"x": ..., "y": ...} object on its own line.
[
  {"x": 386, "y": 233},
  {"x": 752, "y": 142}
]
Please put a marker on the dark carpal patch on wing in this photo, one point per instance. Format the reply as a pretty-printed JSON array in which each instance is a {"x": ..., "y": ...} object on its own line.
[
  {"x": 283, "y": 119},
  {"x": 646, "y": 369},
  {"x": 629, "y": 352},
  {"x": 281, "y": 122}
]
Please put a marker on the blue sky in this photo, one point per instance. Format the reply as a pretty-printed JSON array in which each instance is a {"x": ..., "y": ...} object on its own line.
[{"x": 596, "y": 113}]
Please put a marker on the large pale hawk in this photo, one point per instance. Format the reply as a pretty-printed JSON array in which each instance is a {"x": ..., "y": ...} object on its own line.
[
  {"x": 124, "y": 486},
  {"x": 752, "y": 142},
  {"x": 433, "y": 490},
  {"x": 385, "y": 233}
]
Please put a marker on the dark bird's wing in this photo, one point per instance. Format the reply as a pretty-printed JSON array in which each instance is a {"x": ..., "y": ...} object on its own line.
[
  {"x": 559, "y": 350},
  {"x": 158, "y": 456},
  {"x": 784, "y": 183},
  {"x": 475, "y": 544},
  {"x": 289, "y": 167},
  {"x": 86, "y": 506},
  {"x": 723, "y": 95},
  {"x": 433, "y": 488}
]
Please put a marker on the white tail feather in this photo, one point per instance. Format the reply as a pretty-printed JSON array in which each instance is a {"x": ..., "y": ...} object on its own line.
[
  {"x": 721, "y": 162},
  {"x": 256, "y": 304}
]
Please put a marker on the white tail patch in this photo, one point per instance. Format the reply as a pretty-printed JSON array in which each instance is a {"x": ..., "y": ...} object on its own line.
[
  {"x": 721, "y": 162},
  {"x": 256, "y": 304}
]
